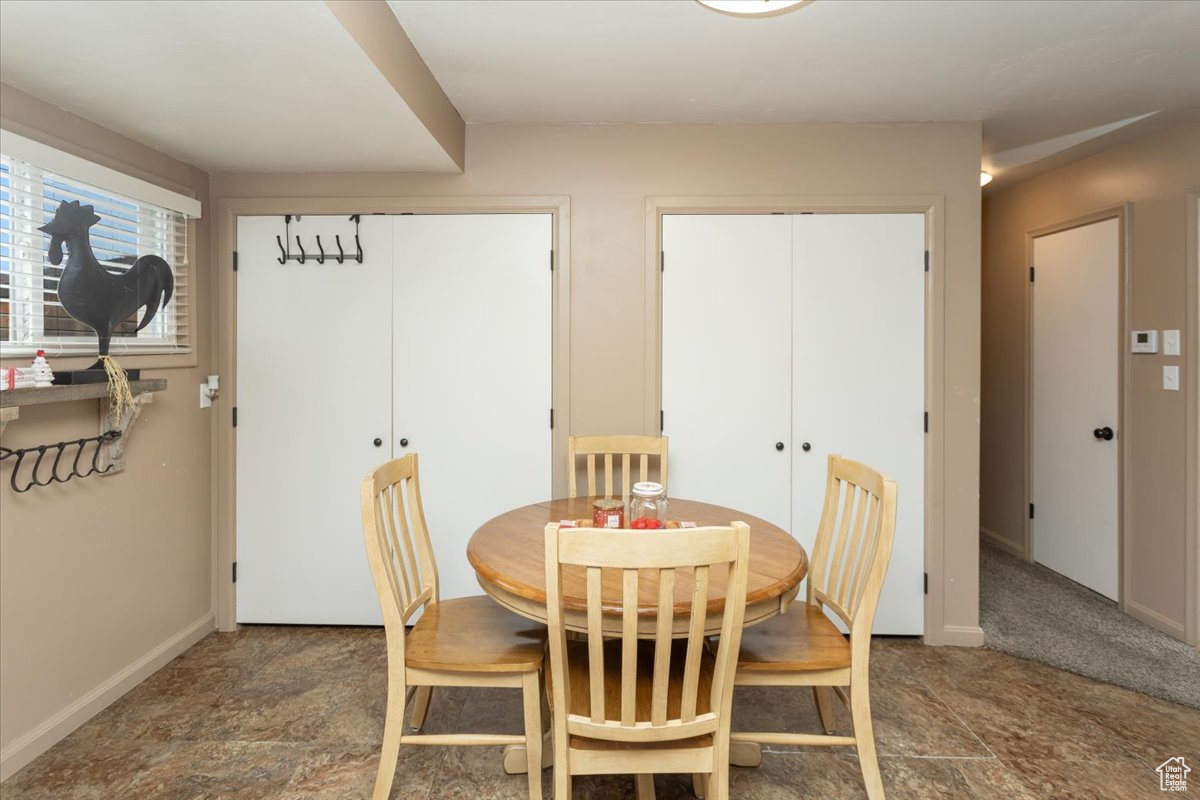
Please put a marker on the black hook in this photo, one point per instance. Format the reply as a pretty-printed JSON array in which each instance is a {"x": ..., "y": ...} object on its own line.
[
  {"x": 283, "y": 254},
  {"x": 75, "y": 473},
  {"x": 320, "y": 258},
  {"x": 62, "y": 448},
  {"x": 341, "y": 256},
  {"x": 355, "y": 218},
  {"x": 300, "y": 258}
]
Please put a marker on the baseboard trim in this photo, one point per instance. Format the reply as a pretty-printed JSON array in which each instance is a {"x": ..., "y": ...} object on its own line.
[
  {"x": 26, "y": 748},
  {"x": 1155, "y": 620},
  {"x": 956, "y": 636},
  {"x": 1004, "y": 543}
]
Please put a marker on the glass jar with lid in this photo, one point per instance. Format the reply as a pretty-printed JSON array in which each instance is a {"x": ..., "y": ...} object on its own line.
[{"x": 648, "y": 506}]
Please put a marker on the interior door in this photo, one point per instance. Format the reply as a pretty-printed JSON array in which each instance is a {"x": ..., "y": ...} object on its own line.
[
  {"x": 472, "y": 371},
  {"x": 726, "y": 360},
  {"x": 314, "y": 395},
  {"x": 1075, "y": 384},
  {"x": 858, "y": 380}
]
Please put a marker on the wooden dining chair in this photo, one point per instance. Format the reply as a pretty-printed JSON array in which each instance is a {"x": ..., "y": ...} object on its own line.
[
  {"x": 802, "y": 647},
  {"x": 629, "y": 705},
  {"x": 610, "y": 447},
  {"x": 467, "y": 641}
]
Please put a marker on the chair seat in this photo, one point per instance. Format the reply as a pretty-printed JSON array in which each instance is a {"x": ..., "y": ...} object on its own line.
[
  {"x": 474, "y": 634},
  {"x": 802, "y": 639},
  {"x": 581, "y": 701}
]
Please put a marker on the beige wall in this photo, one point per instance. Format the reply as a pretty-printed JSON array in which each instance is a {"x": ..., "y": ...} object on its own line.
[
  {"x": 103, "y": 579},
  {"x": 608, "y": 171},
  {"x": 1152, "y": 174}
]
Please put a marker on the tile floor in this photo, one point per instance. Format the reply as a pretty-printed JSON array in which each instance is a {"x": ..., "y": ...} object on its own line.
[{"x": 297, "y": 713}]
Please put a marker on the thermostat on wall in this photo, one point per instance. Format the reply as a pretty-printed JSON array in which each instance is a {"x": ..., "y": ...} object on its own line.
[{"x": 1145, "y": 341}]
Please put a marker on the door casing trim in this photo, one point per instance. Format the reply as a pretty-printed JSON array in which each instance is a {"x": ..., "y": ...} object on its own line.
[
  {"x": 933, "y": 207},
  {"x": 1121, "y": 214},
  {"x": 224, "y": 338}
]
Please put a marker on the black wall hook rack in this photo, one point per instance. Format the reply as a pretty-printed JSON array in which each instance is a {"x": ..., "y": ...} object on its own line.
[
  {"x": 57, "y": 465},
  {"x": 286, "y": 255}
]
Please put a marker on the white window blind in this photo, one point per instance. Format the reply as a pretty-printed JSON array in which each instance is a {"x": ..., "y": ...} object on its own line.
[{"x": 31, "y": 316}]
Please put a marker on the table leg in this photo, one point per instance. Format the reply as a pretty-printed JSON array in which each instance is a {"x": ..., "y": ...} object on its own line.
[
  {"x": 745, "y": 754},
  {"x": 516, "y": 762},
  {"x": 643, "y": 784}
]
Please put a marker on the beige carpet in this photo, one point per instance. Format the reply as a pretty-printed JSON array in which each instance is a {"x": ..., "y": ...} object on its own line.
[{"x": 1032, "y": 612}]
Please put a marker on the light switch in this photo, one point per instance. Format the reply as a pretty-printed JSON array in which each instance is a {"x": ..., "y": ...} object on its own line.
[
  {"x": 205, "y": 398},
  {"x": 1170, "y": 343},
  {"x": 1171, "y": 379}
]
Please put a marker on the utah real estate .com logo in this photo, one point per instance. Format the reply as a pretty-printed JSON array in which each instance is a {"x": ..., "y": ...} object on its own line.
[{"x": 1172, "y": 775}]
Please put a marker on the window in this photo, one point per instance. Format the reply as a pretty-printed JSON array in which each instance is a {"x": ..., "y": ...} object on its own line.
[{"x": 30, "y": 315}]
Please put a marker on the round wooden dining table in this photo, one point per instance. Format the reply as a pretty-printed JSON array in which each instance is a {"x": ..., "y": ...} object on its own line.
[{"x": 508, "y": 556}]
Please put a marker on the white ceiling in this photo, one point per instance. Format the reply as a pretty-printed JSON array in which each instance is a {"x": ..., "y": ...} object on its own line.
[
  {"x": 280, "y": 86},
  {"x": 228, "y": 86},
  {"x": 1030, "y": 70}
]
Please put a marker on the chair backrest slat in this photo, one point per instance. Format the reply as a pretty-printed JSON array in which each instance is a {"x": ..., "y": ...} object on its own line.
[
  {"x": 625, "y": 446},
  {"x": 854, "y": 535},
  {"x": 674, "y": 562},
  {"x": 595, "y": 642},
  {"x": 836, "y": 566},
  {"x": 629, "y": 644},
  {"x": 695, "y": 644},
  {"x": 398, "y": 548},
  {"x": 854, "y": 542},
  {"x": 662, "y": 647}
]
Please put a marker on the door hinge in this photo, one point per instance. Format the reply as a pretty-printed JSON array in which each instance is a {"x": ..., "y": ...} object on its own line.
[
  {"x": 235, "y": 416},
  {"x": 927, "y": 261},
  {"x": 1031, "y": 274},
  {"x": 235, "y": 260},
  {"x": 926, "y": 574},
  {"x": 1031, "y": 510},
  {"x": 927, "y": 422},
  {"x": 552, "y": 261},
  {"x": 552, "y": 418},
  {"x": 662, "y": 261},
  {"x": 662, "y": 421},
  {"x": 235, "y": 572}
]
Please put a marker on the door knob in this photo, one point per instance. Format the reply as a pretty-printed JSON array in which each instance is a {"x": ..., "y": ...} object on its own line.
[
  {"x": 1105, "y": 433},
  {"x": 779, "y": 445},
  {"x": 404, "y": 442},
  {"x": 806, "y": 447},
  {"x": 378, "y": 442}
]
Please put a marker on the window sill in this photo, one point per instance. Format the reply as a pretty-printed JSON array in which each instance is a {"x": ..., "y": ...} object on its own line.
[{"x": 127, "y": 360}]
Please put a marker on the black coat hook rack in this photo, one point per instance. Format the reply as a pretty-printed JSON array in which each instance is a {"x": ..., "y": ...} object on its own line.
[
  {"x": 285, "y": 243},
  {"x": 35, "y": 476}
]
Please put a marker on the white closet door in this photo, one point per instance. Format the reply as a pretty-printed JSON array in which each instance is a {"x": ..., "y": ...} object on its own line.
[
  {"x": 472, "y": 344},
  {"x": 313, "y": 394},
  {"x": 726, "y": 360},
  {"x": 1076, "y": 297},
  {"x": 858, "y": 388}
]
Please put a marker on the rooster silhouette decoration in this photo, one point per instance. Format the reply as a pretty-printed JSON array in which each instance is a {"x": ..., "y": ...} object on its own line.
[{"x": 98, "y": 297}]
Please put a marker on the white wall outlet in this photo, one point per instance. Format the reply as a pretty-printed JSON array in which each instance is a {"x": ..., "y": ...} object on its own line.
[
  {"x": 205, "y": 399},
  {"x": 1170, "y": 343},
  {"x": 1171, "y": 379}
]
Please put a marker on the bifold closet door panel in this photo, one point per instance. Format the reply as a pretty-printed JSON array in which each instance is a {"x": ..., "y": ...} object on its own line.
[
  {"x": 472, "y": 366},
  {"x": 726, "y": 360},
  {"x": 314, "y": 393},
  {"x": 858, "y": 388}
]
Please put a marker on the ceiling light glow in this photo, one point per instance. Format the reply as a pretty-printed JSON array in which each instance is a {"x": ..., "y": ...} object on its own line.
[
  {"x": 985, "y": 178},
  {"x": 753, "y": 8}
]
